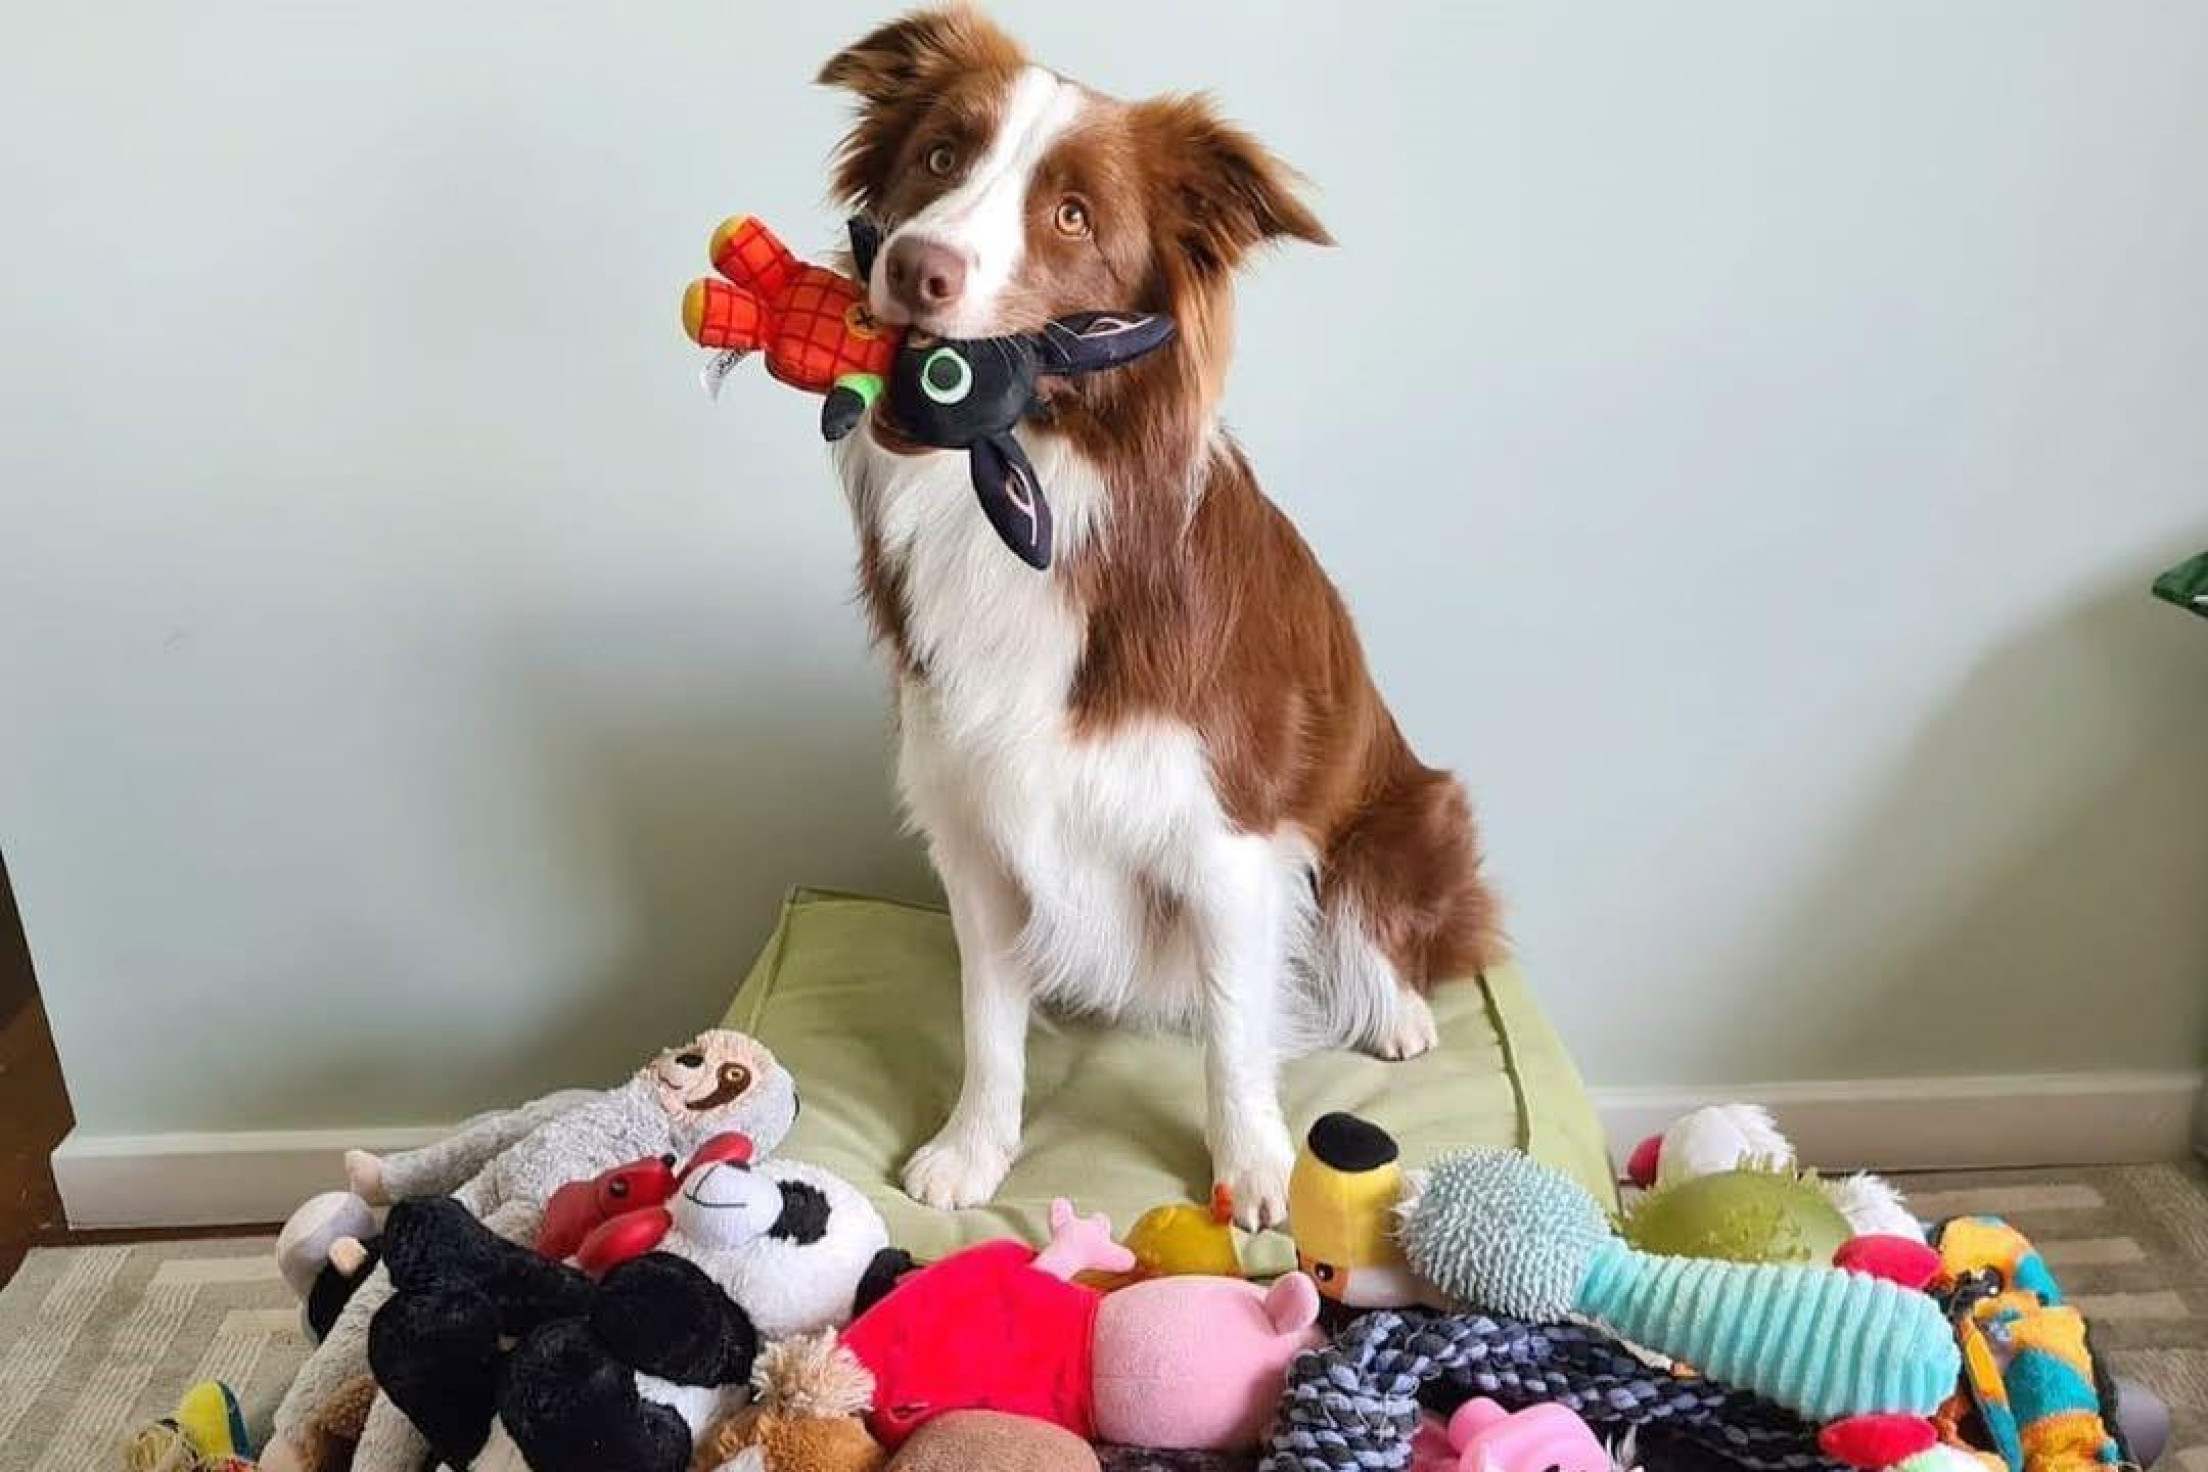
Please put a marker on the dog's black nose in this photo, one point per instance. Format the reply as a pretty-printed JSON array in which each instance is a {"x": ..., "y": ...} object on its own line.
[{"x": 690, "y": 1060}]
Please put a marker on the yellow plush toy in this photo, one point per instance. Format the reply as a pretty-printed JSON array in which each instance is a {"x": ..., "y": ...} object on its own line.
[
  {"x": 1342, "y": 1197},
  {"x": 1179, "y": 1240},
  {"x": 206, "y": 1433}
]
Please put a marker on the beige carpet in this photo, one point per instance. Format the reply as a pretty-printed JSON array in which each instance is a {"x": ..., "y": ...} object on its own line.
[
  {"x": 94, "y": 1340},
  {"x": 97, "y": 1340}
]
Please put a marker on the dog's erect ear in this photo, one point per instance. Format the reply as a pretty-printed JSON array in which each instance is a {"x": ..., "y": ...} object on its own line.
[
  {"x": 896, "y": 71},
  {"x": 1224, "y": 192}
]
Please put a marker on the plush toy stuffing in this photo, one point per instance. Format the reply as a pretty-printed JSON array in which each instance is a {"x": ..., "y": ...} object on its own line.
[{"x": 811, "y": 1375}]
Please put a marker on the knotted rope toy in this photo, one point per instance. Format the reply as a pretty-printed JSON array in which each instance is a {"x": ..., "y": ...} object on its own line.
[
  {"x": 1353, "y": 1406},
  {"x": 968, "y": 394}
]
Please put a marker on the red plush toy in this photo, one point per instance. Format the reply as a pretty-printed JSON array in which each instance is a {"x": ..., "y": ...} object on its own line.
[
  {"x": 631, "y": 1234},
  {"x": 812, "y": 323},
  {"x": 1191, "y": 1363},
  {"x": 580, "y": 1207}
]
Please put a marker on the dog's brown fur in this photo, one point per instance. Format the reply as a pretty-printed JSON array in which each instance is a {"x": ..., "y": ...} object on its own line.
[{"x": 1203, "y": 604}]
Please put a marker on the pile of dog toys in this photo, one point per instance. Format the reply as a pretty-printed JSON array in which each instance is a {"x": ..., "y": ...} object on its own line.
[{"x": 633, "y": 1279}]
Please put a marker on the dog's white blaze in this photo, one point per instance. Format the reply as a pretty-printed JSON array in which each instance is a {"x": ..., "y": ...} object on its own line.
[{"x": 984, "y": 219}]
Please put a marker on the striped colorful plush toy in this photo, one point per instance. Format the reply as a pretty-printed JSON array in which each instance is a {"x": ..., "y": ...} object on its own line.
[{"x": 2032, "y": 1398}]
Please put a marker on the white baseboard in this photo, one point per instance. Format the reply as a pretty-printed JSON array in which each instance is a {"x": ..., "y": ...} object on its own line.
[
  {"x": 186, "y": 1180},
  {"x": 209, "y": 1180},
  {"x": 1951, "y": 1123}
]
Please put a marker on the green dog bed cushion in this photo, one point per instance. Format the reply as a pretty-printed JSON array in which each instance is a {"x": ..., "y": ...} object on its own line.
[{"x": 859, "y": 999}]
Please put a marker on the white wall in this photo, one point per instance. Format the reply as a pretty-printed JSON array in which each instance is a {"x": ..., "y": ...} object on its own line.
[{"x": 1745, "y": 432}]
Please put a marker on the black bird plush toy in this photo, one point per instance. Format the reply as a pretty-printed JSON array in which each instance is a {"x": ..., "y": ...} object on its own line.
[{"x": 970, "y": 393}]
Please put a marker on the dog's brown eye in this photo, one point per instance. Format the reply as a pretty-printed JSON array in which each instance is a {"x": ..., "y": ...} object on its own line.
[
  {"x": 941, "y": 160},
  {"x": 1072, "y": 217}
]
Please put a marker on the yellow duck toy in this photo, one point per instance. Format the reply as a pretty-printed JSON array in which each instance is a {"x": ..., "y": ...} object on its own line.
[{"x": 1179, "y": 1240}]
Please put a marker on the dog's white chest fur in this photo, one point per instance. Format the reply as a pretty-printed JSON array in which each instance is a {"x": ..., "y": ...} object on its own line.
[
  {"x": 1101, "y": 835},
  {"x": 1093, "y": 869}
]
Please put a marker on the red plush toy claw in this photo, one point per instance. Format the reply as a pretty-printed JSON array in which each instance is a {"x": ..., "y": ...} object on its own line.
[
  {"x": 1901, "y": 1260},
  {"x": 579, "y": 1207},
  {"x": 604, "y": 1221},
  {"x": 733, "y": 1148},
  {"x": 629, "y": 1235},
  {"x": 1876, "y": 1440}
]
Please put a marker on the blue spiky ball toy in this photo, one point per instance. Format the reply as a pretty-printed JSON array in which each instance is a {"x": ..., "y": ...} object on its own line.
[{"x": 1524, "y": 1236}]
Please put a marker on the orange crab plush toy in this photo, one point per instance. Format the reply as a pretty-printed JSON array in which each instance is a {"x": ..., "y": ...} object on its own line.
[{"x": 812, "y": 323}]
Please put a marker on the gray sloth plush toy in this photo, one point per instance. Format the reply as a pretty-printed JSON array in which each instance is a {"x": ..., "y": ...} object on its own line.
[{"x": 503, "y": 1167}]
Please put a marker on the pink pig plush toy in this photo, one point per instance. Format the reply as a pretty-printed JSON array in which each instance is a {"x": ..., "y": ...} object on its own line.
[
  {"x": 1185, "y": 1363},
  {"x": 1483, "y": 1437}
]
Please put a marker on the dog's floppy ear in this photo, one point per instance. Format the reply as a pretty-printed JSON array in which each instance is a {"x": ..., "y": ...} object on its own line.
[
  {"x": 909, "y": 52},
  {"x": 1223, "y": 192},
  {"x": 896, "y": 71}
]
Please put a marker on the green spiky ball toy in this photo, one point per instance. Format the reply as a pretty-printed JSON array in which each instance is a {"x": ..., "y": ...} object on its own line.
[{"x": 1752, "y": 1214}]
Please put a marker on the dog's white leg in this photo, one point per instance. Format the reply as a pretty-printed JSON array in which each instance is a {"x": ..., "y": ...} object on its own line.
[
  {"x": 1239, "y": 919},
  {"x": 966, "y": 1161}
]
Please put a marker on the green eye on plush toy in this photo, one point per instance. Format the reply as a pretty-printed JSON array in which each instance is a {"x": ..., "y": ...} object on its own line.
[{"x": 946, "y": 377}]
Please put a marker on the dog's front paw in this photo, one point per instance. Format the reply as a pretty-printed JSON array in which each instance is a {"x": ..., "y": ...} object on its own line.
[
  {"x": 956, "y": 1169},
  {"x": 1254, "y": 1169}
]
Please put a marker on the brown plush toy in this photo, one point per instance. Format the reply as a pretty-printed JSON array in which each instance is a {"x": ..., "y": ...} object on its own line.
[
  {"x": 806, "y": 1416},
  {"x": 325, "y": 1440},
  {"x": 990, "y": 1441}
]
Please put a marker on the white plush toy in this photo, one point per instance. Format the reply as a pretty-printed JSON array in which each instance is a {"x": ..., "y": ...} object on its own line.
[
  {"x": 789, "y": 1242},
  {"x": 1722, "y": 1137},
  {"x": 503, "y": 1167}
]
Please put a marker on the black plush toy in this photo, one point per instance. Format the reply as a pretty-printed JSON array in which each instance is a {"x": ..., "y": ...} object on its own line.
[
  {"x": 566, "y": 1391},
  {"x": 334, "y": 1284},
  {"x": 969, "y": 394}
]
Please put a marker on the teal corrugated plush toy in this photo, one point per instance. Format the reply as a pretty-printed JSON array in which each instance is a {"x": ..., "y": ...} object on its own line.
[{"x": 1496, "y": 1229}]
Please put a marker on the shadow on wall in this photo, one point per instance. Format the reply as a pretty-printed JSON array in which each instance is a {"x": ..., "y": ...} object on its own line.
[
  {"x": 2045, "y": 841},
  {"x": 694, "y": 800},
  {"x": 664, "y": 803}
]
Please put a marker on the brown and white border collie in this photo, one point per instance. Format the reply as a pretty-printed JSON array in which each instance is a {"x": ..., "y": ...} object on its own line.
[{"x": 1156, "y": 779}]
